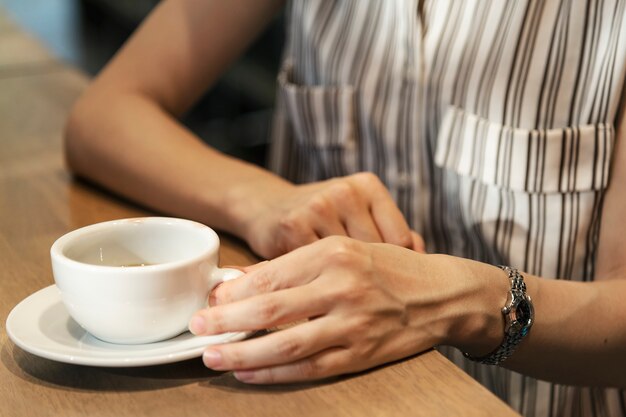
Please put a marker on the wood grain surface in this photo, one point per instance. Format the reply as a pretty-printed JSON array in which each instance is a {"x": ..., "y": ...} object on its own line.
[{"x": 40, "y": 201}]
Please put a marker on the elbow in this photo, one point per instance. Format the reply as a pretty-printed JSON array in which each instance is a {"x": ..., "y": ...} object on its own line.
[
  {"x": 73, "y": 137},
  {"x": 77, "y": 137}
]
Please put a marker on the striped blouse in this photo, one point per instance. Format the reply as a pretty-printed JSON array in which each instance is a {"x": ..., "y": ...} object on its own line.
[{"x": 492, "y": 123}]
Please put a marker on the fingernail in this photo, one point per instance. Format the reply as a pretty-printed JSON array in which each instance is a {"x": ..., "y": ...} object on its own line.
[
  {"x": 244, "y": 376},
  {"x": 197, "y": 325},
  {"x": 212, "y": 358}
]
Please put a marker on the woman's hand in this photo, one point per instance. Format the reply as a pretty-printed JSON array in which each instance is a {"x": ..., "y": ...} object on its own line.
[
  {"x": 281, "y": 216},
  {"x": 356, "y": 305}
]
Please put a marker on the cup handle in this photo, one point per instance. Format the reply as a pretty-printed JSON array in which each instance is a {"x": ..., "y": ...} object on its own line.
[{"x": 220, "y": 275}]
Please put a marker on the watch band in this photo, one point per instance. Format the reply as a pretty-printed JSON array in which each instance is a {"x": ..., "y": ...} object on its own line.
[{"x": 515, "y": 330}]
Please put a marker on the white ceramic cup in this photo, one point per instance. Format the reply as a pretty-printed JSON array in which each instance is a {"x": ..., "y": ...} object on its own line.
[{"x": 137, "y": 280}]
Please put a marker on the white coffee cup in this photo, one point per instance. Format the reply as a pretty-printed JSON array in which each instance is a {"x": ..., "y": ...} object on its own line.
[{"x": 137, "y": 280}]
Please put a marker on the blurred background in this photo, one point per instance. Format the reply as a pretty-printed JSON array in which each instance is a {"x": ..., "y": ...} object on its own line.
[{"x": 234, "y": 116}]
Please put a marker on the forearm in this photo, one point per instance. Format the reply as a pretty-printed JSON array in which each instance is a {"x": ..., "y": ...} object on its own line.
[
  {"x": 130, "y": 145},
  {"x": 578, "y": 336}
]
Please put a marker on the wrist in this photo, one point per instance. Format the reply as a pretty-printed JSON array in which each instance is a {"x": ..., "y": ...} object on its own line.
[
  {"x": 478, "y": 327},
  {"x": 246, "y": 203},
  {"x": 518, "y": 313}
]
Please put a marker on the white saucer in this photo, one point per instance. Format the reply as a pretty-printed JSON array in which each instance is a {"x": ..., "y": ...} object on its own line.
[{"x": 41, "y": 325}]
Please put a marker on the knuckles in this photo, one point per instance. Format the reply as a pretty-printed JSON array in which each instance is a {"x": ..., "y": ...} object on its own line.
[
  {"x": 291, "y": 232},
  {"x": 366, "y": 179},
  {"x": 354, "y": 258},
  {"x": 363, "y": 324},
  {"x": 268, "y": 311},
  {"x": 261, "y": 282},
  {"x": 290, "y": 224},
  {"x": 345, "y": 252},
  {"x": 342, "y": 192},
  {"x": 289, "y": 348},
  {"x": 352, "y": 292},
  {"x": 321, "y": 207},
  {"x": 339, "y": 249}
]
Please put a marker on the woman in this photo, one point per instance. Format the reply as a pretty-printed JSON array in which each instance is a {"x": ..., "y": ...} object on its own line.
[{"x": 492, "y": 126}]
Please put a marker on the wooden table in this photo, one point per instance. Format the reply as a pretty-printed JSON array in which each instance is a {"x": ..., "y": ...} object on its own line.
[{"x": 39, "y": 201}]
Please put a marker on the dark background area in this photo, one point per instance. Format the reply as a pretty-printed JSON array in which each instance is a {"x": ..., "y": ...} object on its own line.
[{"x": 234, "y": 116}]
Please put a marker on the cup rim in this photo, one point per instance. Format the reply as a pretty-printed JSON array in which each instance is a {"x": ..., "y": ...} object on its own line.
[{"x": 56, "y": 250}]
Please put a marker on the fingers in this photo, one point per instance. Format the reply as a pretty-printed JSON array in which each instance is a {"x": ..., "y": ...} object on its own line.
[
  {"x": 284, "y": 346},
  {"x": 360, "y": 224},
  {"x": 385, "y": 214},
  {"x": 348, "y": 203},
  {"x": 321, "y": 215},
  {"x": 295, "y": 233},
  {"x": 333, "y": 361},
  {"x": 261, "y": 311},
  {"x": 296, "y": 268},
  {"x": 391, "y": 223},
  {"x": 245, "y": 269},
  {"x": 358, "y": 206},
  {"x": 340, "y": 210},
  {"x": 418, "y": 242}
]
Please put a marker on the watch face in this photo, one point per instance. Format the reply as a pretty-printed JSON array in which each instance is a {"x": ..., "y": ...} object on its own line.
[{"x": 523, "y": 312}]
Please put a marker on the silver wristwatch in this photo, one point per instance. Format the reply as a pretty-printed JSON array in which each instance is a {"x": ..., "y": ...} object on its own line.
[{"x": 518, "y": 316}]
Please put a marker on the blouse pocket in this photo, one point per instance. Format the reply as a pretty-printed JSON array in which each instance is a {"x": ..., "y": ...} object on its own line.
[
  {"x": 527, "y": 197},
  {"x": 558, "y": 160},
  {"x": 323, "y": 124}
]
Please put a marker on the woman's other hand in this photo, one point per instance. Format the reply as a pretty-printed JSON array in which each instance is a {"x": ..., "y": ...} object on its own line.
[{"x": 281, "y": 217}]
